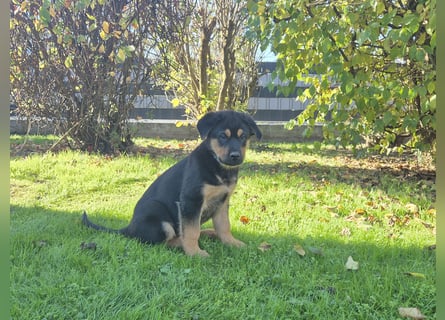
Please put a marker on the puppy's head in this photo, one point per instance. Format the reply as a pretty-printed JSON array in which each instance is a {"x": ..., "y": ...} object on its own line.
[{"x": 228, "y": 133}]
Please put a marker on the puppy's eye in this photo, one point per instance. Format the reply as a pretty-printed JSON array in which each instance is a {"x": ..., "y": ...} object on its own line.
[{"x": 222, "y": 136}]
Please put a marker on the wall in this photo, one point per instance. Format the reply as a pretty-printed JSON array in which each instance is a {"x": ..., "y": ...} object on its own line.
[{"x": 166, "y": 129}]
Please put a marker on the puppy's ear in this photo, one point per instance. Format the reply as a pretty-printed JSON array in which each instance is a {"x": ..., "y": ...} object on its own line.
[
  {"x": 252, "y": 125},
  {"x": 207, "y": 122}
]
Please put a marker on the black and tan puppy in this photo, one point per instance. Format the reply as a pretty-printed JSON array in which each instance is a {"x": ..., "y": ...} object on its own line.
[{"x": 196, "y": 189}]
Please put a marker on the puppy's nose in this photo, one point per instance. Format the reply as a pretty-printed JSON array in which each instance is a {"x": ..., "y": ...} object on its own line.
[{"x": 235, "y": 155}]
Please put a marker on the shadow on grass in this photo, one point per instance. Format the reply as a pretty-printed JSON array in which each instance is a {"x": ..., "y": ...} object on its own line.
[
  {"x": 52, "y": 227},
  {"x": 387, "y": 179}
]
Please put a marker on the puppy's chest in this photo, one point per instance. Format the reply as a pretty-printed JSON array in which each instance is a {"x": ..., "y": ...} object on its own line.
[{"x": 215, "y": 196}]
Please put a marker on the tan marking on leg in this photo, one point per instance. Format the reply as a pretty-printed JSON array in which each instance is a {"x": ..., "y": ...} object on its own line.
[
  {"x": 221, "y": 223},
  {"x": 189, "y": 239}
]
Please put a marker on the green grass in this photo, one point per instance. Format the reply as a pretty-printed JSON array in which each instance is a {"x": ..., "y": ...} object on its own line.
[{"x": 326, "y": 201}]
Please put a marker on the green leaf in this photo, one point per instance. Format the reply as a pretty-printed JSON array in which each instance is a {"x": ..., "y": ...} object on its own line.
[{"x": 45, "y": 16}]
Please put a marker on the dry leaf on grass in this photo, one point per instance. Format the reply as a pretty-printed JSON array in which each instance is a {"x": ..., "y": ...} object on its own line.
[
  {"x": 351, "y": 264},
  {"x": 412, "y": 208},
  {"x": 299, "y": 249},
  {"x": 88, "y": 246},
  {"x": 431, "y": 211},
  {"x": 316, "y": 251},
  {"x": 412, "y": 313},
  {"x": 264, "y": 246},
  {"x": 40, "y": 243},
  {"x": 244, "y": 219},
  {"x": 346, "y": 232}
]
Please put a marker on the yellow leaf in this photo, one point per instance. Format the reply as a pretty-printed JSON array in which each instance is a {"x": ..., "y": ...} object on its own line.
[
  {"x": 68, "y": 62},
  {"x": 299, "y": 249},
  {"x": 121, "y": 55},
  {"x": 432, "y": 211},
  {"x": 175, "y": 102},
  {"x": 102, "y": 34},
  {"x": 106, "y": 27},
  {"x": 52, "y": 12},
  {"x": 179, "y": 124},
  {"x": 351, "y": 264},
  {"x": 360, "y": 211}
]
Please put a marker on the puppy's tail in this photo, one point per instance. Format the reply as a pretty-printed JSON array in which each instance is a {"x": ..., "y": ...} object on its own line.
[{"x": 89, "y": 224}]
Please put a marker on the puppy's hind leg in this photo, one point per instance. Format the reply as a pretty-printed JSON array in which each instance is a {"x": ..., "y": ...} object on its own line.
[{"x": 171, "y": 238}]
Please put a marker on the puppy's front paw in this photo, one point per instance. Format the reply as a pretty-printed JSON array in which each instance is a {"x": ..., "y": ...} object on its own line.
[
  {"x": 200, "y": 253},
  {"x": 196, "y": 252},
  {"x": 237, "y": 243},
  {"x": 203, "y": 253},
  {"x": 231, "y": 241}
]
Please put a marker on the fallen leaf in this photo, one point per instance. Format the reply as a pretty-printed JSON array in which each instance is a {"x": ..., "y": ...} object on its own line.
[
  {"x": 299, "y": 249},
  {"x": 106, "y": 26},
  {"x": 264, "y": 246},
  {"x": 365, "y": 226},
  {"x": 351, "y": 264},
  {"x": 330, "y": 290},
  {"x": 332, "y": 208},
  {"x": 345, "y": 232},
  {"x": 412, "y": 208},
  {"x": 431, "y": 211},
  {"x": 360, "y": 211},
  {"x": 412, "y": 313},
  {"x": 89, "y": 245},
  {"x": 40, "y": 243},
  {"x": 244, "y": 219},
  {"x": 426, "y": 224},
  {"x": 315, "y": 250},
  {"x": 415, "y": 274}
]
